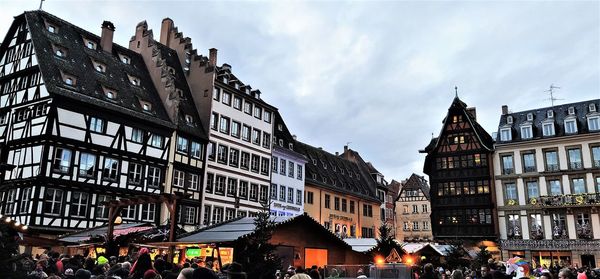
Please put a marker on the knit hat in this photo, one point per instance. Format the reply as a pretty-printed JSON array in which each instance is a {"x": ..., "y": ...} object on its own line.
[
  {"x": 69, "y": 272},
  {"x": 83, "y": 274},
  {"x": 150, "y": 274},
  {"x": 102, "y": 260}
]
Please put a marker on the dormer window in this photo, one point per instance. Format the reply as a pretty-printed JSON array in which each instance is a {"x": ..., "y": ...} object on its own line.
[
  {"x": 171, "y": 71},
  {"x": 279, "y": 127},
  {"x": 505, "y": 134},
  {"x": 237, "y": 86},
  {"x": 60, "y": 53},
  {"x": 124, "y": 59},
  {"x": 548, "y": 129},
  {"x": 189, "y": 119},
  {"x": 134, "y": 80},
  {"x": 99, "y": 67},
  {"x": 509, "y": 119},
  {"x": 592, "y": 107},
  {"x": 89, "y": 43},
  {"x": 550, "y": 114},
  {"x": 281, "y": 142},
  {"x": 593, "y": 123},
  {"x": 146, "y": 107},
  {"x": 51, "y": 28},
  {"x": 314, "y": 161},
  {"x": 571, "y": 111},
  {"x": 68, "y": 79},
  {"x": 109, "y": 93},
  {"x": 530, "y": 117},
  {"x": 248, "y": 91},
  {"x": 291, "y": 146},
  {"x": 225, "y": 80},
  {"x": 571, "y": 126}
]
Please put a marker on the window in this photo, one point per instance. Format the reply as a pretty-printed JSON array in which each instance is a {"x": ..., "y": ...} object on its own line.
[
  {"x": 206, "y": 215},
  {"x": 62, "y": 160},
  {"x": 237, "y": 103},
  {"x": 571, "y": 126},
  {"x": 125, "y": 59},
  {"x": 505, "y": 134},
  {"x": 245, "y": 160},
  {"x": 182, "y": 144},
  {"x": 548, "y": 129},
  {"x": 273, "y": 191},
  {"x": 256, "y": 136},
  {"x": 282, "y": 193},
  {"x": 367, "y": 210},
  {"x": 217, "y": 215},
  {"x": 425, "y": 225},
  {"x": 146, "y": 107},
  {"x": 134, "y": 174},
  {"x": 533, "y": 190},
  {"x": 274, "y": 165},
  {"x": 367, "y": 232},
  {"x": 299, "y": 174},
  {"x": 291, "y": 195},
  {"x": 578, "y": 185},
  {"x": 510, "y": 191},
  {"x": 10, "y": 201},
  {"x": 536, "y": 228},
  {"x": 212, "y": 150},
  {"x": 216, "y": 94},
  {"x": 575, "y": 162},
  {"x": 97, "y": 125},
  {"x": 583, "y": 226},
  {"x": 283, "y": 167},
  {"x": 196, "y": 150},
  {"x": 229, "y": 214},
  {"x": 69, "y": 81},
  {"x": 266, "y": 141},
  {"x": 514, "y": 226},
  {"x": 226, "y": 98},
  {"x": 291, "y": 169},
  {"x": 214, "y": 117},
  {"x": 235, "y": 129},
  {"x": 53, "y": 201},
  {"x": 90, "y": 45},
  {"x": 134, "y": 80},
  {"x": 234, "y": 157},
  {"x": 258, "y": 112},
  {"x": 267, "y": 116},
  {"x": 299, "y": 199},
  {"x": 253, "y": 192},
  {"x": 178, "y": 178},
  {"x": 415, "y": 209},
  {"x": 424, "y": 208},
  {"x": 154, "y": 179},
  {"x": 193, "y": 181},
  {"x": 264, "y": 166},
  {"x": 551, "y": 159},
  {"x": 555, "y": 188},
  {"x": 248, "y": 108},
  {"x": 507, "y": 164},
  {"x": 327, "y": 201},
  {"x": 336, "y": 203},
  {"x": 222, "y": 154},
  {"x": 415, "y": 226},
  {"x": 137, "y": 135},
  {"x": 593, "y": 123},
  {"x": 595, "y": 156},
  {"x": 87, "y": 164},
  {"x": 220, "y": 185},
  {"x": 559, "y": 226},
  {"x": 130, "y": 212},
  {"x": 264, "y": 192},
  {"x": 526, "y": 132},
  {"x": 60, "y": 53},
  {"x": 79, "y": 204},
  {"x": 51, "y": 28},
  {"x": 310, "y": 197},
  {"x": 232, "y": 187},
  {"x": 246, "y": 133},
  {"x": 255, "y": 164},
  {"x": 224, "y": 126},
  {"x": 529, "y": 162},
  {"x": 351, "y": 206},
  {"x": 111, "y": 168},
  {"x": 102, "y": 209},
  {"x": 190, "y": 215},
  {"x": 209, "y": 182},
  {"x": 24, "y": 202},
  {"x": 148, "y": 212},
  {"x": 156, "y": 141}
]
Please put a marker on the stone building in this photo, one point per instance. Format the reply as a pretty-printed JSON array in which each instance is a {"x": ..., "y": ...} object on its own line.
[{"x": 547, "y": 178}]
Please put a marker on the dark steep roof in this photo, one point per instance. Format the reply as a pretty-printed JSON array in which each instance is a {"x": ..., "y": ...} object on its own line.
[
  {"x": 324, "y": 169},
  {"x": 89, "y": 83},
  {"x": 560, "y": 113},
  {"x": 186, "y": 106},
  {"x": 283, "y": 133},
  {"x": 415, "y": 182}
]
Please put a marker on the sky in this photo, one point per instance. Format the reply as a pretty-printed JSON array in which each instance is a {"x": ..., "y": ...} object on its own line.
[{"x": 379, "y": 75}]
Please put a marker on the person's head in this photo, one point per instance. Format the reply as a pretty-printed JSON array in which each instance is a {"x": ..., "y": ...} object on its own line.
[
  {"x": 314, "y": 273},
  {"x": 546, "y": 275},
  {"x": 151, "y": 274},
  {"x": 485, "y": 270},
  {"x": 457, "y": 274},
  {"x": 300, "y": 276},
  {"x": 203, "y": 273},
  {"x": 565, "y": 273},
  {"x": 235, "y": 271},
  {"x": 83, "y": 274},
  {"x": 143, "y": 263},
  {"x": 428, "y": 268}
]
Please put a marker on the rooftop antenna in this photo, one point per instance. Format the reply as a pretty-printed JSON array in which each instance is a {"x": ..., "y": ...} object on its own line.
[
  {"x": 551, "y": 92},
  {"x": 41, "y": 3},
  {"x": 348, "y": 143},
  {"x": 455, "y": 89}
]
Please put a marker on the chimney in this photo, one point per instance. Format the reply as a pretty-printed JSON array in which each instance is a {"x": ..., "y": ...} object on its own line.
[
  {"x": 473, "y": 112},
  {"x": 504, "y": 110},
  {"x": 212, "y": 57},
  {"x": 294, "y": 137},
  {"x": 345, "y": 148},
  {"x": 106, "y": 38},
  {"x": 165, "y": 31}
]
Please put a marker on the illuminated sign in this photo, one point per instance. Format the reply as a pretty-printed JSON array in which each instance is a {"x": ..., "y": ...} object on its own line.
[{"x": 193, "y": 252}]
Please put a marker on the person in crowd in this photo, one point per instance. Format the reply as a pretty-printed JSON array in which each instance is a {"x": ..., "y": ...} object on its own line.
[
  {"x": 143, "y": 264},
  {"x": 428, "y": 272},
  {"x": 235, "y": 271}
]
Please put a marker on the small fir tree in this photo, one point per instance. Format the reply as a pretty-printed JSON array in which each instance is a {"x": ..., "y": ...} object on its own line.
[
  {"x": 456, "y": 256},
  {"x": 482, "y": 257},
  {"x": 386, "y": 242}
]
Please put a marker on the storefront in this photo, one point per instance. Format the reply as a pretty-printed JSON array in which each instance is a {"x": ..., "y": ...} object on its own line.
[{"x": 563, "y": 252}]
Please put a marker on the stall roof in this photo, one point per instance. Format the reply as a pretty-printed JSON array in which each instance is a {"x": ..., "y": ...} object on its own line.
[
  {"x": 361, "y": 244},
  {"x": 418, "y": 246},
  {"x": 121, "y": 229},
  {"x": 228, "y": 231}
]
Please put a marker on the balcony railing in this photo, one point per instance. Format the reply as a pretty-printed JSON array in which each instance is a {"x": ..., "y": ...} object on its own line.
[
  {"x": 530, "y": 169},
  {"x": 586, "y": 199},
  {"x": 508, "y": 171},
  {"x": 596, "y": 163},
  {"x": 553, "y": 167},
  {"x": 550, "y": 244},
  {"x": 576, "y": 165}
]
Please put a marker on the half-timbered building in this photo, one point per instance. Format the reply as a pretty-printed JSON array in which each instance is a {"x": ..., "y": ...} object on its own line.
[
  {"x": 413, "y": 209},
  {"x": 240, "y": 127},
  {"x": 458, "y": 163},
  {"x": 83, "y": 123}
]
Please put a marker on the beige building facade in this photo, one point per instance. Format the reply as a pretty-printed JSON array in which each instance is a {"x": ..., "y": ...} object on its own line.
[{"x": 413, "y": 209}]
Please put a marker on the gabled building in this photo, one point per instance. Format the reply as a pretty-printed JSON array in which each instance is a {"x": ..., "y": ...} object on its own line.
[
  {"x": 413, "y": 209},
  {"x": 459, "y": 165},
  {"x": 339, "y": 193},
  {"x": 287, "y": 173},
  {"x": 547, "y": 178},
  {"x": 240, "y": 127},
  {"x": 83, "y": 123}
]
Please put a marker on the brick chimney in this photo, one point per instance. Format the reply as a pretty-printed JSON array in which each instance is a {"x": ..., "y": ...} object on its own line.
[
  {"x": 504, "y": 110},
  {"x": 106, "y": 38},
  {"x": 212, "y": 57},
  {"x": 165, "y": 31},
  {"x": 473, "y": 112}
]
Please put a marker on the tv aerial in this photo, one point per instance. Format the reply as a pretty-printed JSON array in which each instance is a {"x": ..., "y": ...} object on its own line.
[{"x": 551, "y": 92}]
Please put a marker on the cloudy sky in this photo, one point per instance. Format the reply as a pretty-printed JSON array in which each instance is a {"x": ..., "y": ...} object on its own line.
[{"x": 377, "y": 74}]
